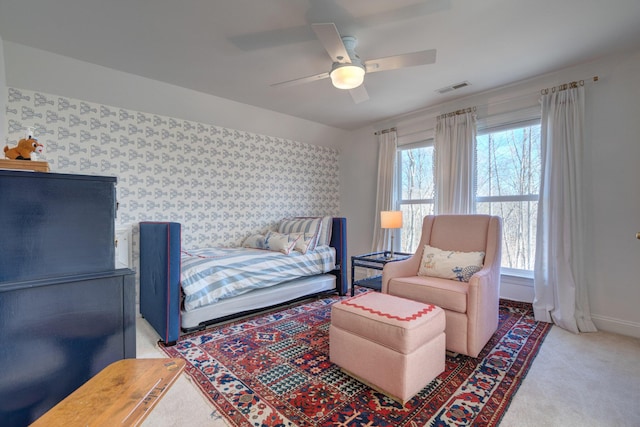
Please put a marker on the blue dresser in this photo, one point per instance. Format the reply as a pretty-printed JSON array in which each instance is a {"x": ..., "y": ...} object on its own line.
[{"x": 65, "y": 311}]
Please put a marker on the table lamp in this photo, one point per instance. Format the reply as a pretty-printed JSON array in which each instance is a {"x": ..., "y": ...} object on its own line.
[{"x": 391, "y": 220}]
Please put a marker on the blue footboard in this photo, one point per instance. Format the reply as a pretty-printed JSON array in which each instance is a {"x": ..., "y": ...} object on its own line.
[
  {"x": 160, "y": 297},
  {"x": 160, "y": 277}
]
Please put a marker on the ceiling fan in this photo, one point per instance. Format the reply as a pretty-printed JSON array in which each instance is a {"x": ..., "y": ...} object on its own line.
[{"x": 348, "y": 70}]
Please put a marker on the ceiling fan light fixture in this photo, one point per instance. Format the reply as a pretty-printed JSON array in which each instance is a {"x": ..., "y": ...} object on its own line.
[{"x": 347, "y": 76}]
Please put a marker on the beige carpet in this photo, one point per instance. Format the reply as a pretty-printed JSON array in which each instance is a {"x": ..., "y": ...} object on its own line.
[{"x": 576, "y": 380}]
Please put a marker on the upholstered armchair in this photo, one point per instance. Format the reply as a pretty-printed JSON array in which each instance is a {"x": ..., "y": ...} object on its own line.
[{"x": 471, "y": 308}]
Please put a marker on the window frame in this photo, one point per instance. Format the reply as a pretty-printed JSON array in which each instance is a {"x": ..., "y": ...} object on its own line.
[
  {"x": 419, "y": 144},
  {"x": 520, "y": 122},
  {"x": 508, "y": 120},
  {"x": 423, "y": 143}
]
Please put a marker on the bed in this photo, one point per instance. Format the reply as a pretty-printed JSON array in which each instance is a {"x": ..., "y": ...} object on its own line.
[{"x": 162, "y": 297}]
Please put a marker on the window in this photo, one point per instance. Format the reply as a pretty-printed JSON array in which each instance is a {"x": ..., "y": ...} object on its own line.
[
  {"x": 508, "y": 183},
  {"x": 415, "y": 165}
]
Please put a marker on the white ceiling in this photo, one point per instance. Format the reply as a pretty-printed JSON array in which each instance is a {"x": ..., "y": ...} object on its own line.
[{"x": 236, "y": 49}]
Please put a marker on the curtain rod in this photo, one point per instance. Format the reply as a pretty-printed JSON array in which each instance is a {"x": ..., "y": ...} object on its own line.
[
  {"x": 458, "y": 112},
  {"x": 380, "y": 132},
  {"x": 565, "y": 86},
  {"x": 428, "y": 110}
]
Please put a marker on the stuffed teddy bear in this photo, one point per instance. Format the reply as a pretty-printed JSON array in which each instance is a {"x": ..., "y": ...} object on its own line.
[{"x": 24, "y": 149}]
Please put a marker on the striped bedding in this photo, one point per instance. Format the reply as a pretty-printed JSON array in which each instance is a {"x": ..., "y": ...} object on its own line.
[{"x": 212, "y": 274}]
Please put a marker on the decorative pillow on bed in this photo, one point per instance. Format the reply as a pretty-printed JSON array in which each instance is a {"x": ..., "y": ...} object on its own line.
[
  {"x": 302, "y": 225},
  {"x": 280, "y": 242},
  {"x": 324, "y": 235},
  {"x": 450, "y": 264},
  {"x": 255, "y": 241},
  {"x": 302, "y": 244}
]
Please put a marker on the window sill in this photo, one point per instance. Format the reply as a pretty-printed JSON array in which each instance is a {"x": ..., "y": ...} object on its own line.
[
  {"x": 517, "y": 277},
  {"x": 514, "y": 272}
]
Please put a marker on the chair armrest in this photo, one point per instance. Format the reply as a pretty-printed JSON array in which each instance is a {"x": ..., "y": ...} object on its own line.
[
  {"x": 483, "y": 282},
  {"x": 405, "y": 268},
  {"x": 482, "y": 306}
]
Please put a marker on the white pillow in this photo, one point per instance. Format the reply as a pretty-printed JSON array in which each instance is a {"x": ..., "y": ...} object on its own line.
[
  {"x": 302, "y": 225},
  {"x": 324, "y": 238},
  {"x": 450, "y": 264},
  {"x": 280, "y": 242},
  {"x": 255, "y": 241},
  {"x": 325, "y": 230},
  {"x": 305, "y": 240}
]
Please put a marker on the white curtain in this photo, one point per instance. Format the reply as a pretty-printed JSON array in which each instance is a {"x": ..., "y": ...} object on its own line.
[
  {"x": 386, "y": 194},
  {"x": 560, "y": 287},
  {"x": 455, "y": 163}
]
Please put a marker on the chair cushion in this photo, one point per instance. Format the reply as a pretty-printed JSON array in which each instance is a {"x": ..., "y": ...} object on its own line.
[{"x": 448, "y": 294}]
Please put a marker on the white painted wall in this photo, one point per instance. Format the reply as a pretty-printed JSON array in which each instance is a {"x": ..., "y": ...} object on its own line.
[
  {"x": 613, "y": 203},
  {"x": 358, "y": 181},
  {"x": 612, "y": 177},
  {"x": 38, "y": 70}
]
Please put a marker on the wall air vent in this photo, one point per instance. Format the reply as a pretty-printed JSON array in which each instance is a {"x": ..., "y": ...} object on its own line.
[{"x": 453, "y": 87}]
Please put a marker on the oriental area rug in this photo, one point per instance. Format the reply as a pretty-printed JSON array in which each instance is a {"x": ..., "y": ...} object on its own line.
[{"x": 274, "y": 370}]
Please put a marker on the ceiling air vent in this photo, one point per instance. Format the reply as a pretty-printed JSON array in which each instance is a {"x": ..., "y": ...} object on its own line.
[{"x": 453, "y": 87}]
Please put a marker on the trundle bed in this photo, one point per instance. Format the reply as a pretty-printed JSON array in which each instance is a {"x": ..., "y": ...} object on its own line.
[{"x": 170, "y": 310}]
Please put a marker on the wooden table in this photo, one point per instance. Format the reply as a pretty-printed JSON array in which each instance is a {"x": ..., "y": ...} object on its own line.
[{"x": 121, "y": 394}]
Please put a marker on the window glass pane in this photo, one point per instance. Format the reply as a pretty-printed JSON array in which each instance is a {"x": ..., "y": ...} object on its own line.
[
  {"x": 417, "y": 173},
  {"x": 412, "y": 216},
  {"x": 518, "y": 231},
  {"x": 509, "y": 162}
]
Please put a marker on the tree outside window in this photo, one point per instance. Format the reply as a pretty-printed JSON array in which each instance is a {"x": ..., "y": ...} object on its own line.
[{"x": 417, "y": 191}]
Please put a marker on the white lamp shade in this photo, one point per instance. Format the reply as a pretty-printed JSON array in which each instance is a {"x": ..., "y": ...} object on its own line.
[
  {"x": 347, "y": 76},
  {"x": 391, "y": 219}
]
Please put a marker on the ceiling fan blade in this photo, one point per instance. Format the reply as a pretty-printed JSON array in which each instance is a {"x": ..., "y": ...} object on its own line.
[
  {"x": 401, "y": 61},
  {"x": 302, "y": 80},
  {"x": 330, "y": 38},
  {"x": 359, "y": 94}
]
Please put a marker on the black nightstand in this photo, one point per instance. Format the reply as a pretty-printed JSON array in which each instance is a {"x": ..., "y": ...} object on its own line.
[{"x": 376, "y": 261}]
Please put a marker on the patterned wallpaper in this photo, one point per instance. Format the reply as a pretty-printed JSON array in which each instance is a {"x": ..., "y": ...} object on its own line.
[{"x": 221, "y": 184}]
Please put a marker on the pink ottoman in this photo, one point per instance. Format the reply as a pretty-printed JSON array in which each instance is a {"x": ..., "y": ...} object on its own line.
[{"x": 392, "y": 344}]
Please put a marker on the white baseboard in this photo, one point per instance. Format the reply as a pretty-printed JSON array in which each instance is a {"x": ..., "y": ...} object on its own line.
[
  {"x": 521, "y": 289},
  {"x": 616, "y": 326}
]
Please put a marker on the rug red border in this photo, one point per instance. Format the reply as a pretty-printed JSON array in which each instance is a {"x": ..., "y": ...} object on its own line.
[{"x": 470, "y": 391}]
